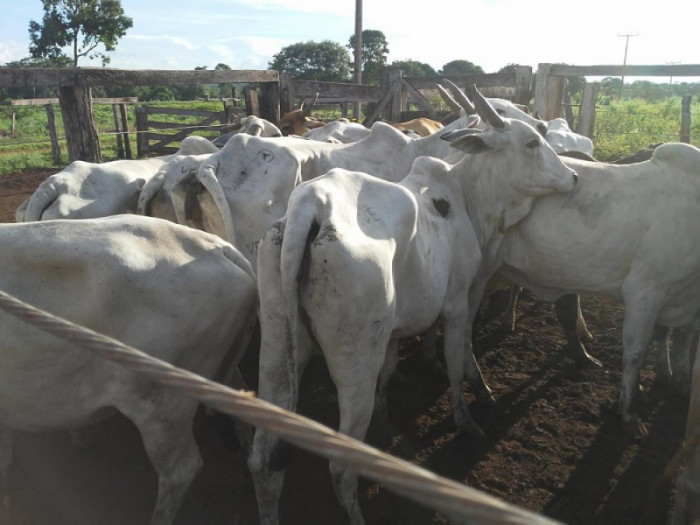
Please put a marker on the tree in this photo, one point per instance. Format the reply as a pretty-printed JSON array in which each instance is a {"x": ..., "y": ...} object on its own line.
[
  {"x": 413, "y": 68},
  {"x": 461, "y": 67},
  {"x": 81, "y": 24},
  {"x": 374, "y": 52},
  {"x": 327, "y": 61}
]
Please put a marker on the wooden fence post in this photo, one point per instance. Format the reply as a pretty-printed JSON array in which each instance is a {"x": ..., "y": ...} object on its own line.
[
  {"x": 270, "y": 106},
  {"x": 125, "y": 131},
  {"x": 141, "y": 130},
  {"x": 14, "y": 121},
  {"x": 286, "y": 93},
  {"x": 395, "y": 106},
  {"x": 549, "y": 93},
  {"x": 586, "y": 113},
  {"x": 55, "y": 149},
  {"x": 685, "y": 119},
  {"x": 251, "y": 101},
  {"x": 120, "y": 145},
  {"x": 523, "y": 85},
  {"x": 79, "y": 124}
]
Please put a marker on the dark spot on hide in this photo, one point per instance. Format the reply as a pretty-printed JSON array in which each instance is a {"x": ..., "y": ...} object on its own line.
[
  {"x": 193, "y": 211},
  {"x": 305, "y": 260},
  {"x": 275, "y": 234},
  {"x": 280, "y": 456},
  {"x": 329, "y": 233},
  {"x": 442, "y": 206}
]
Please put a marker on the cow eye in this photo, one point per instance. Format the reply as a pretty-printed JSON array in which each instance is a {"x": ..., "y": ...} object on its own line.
[{"x": 533, "y": 143}]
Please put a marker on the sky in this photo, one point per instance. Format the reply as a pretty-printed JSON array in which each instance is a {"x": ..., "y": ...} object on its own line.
[{"x": 245, "y": 34}]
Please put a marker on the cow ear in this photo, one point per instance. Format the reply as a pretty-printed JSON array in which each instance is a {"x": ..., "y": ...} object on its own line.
[
  {"x": 516, "y": 212},
  {"x": 467, "y": 140}
]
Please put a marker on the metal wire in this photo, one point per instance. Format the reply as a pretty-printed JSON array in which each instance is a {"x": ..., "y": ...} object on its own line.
[{"x": 454, "y": 500}]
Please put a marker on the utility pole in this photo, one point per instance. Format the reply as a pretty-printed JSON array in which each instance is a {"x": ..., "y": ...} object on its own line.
[
  {"x": 358, "y": 53},
  {"x": 671, "y": 63},
  {"x": 624, "y": 60}
]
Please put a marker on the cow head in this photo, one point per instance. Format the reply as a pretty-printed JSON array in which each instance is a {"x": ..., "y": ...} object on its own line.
[
  {"x": 300, "y": 121},
  {"x": 508, "y": 163}
]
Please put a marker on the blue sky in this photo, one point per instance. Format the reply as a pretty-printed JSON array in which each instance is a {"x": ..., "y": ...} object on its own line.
[{"x": 245, "y": 34}]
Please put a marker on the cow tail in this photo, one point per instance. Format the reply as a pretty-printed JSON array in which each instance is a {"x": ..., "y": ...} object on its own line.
[{"x": 300, "y": 230}]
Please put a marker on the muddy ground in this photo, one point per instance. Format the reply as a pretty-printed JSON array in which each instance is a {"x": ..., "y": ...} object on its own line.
[{"x": 553, "y": 443}]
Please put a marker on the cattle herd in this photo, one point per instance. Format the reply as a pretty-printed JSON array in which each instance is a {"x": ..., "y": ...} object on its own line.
[{"x": 343, "y": 240}]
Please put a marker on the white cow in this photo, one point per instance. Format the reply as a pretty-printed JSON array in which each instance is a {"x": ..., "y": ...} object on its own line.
[
  {"x": 341, "y": 130},
  {"x": 358, "y": 262},
  {"x": 178, "y": 294},
  {"x": 629, "y": 232},
  {"x": 88, "y": 190},
  {"x": 251, "y": 178},
  {"x": 250, "y": 125},
  {"x": 563, "y": 140}
]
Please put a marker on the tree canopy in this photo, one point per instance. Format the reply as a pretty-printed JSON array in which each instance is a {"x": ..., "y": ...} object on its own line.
[
  {"x": 326, "y": 61},
  {"x": 413, "y": 68},
  {"x": 82, "y": 25},
  {"x": 374, "y": 53},
  {"x": 461, "y": 67}
]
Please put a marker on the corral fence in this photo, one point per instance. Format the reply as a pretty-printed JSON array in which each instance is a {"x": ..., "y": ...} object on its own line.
[
  {"x": 551, "y": 88},
  {"x": 76, "y": 102},
  {"x": 269, "y": 94}
]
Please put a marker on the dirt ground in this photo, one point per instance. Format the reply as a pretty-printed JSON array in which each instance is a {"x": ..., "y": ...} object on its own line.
[{"x": 553, "y": 444}]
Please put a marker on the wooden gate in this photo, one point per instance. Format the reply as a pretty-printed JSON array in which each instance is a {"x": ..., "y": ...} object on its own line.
[{"x": 157, "y": 142}]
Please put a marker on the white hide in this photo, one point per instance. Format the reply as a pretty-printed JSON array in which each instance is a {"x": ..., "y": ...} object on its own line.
[
  {"x": 364, "y": 262},
  {"x": 175, "y": 293},
  {"x": 629, "y": 232},
  {"x": 88, "y": 190}
]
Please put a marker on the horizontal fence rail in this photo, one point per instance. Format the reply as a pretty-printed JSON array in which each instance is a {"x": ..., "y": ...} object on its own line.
[{"x": 459, "y": 502}]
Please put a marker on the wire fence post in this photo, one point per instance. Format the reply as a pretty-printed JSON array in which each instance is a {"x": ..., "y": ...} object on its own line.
[
  {"x": 685, "y": 119},
  {"x": 55, "y": 150}
]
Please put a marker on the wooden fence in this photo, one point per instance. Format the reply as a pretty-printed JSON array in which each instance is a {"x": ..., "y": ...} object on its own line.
[
  {"x": 270, "y": 94},
  {"x": 76, "y": 102},
  {"x": 392, "y": 99},
  {"x": 551, "y": 86}
]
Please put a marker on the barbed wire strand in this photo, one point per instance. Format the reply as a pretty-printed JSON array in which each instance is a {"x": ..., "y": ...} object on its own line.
[{"x": 455, "y": 500}]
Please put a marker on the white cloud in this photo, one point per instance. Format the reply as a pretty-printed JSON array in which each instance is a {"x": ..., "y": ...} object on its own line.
[
  {"x": 168, "y": 39},
  {"x": 12, "y": 51}
]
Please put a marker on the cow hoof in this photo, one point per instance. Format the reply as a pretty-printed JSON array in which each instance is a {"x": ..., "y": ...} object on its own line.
[
  {"x": 473, "y": 430},
  {"x": 635, "y": 428},
  {"x": 586, "y": 359},
  {"x": 486, "y": 400}
]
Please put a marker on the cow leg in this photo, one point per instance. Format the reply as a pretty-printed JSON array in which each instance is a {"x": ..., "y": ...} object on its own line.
[
  {"x": 508, "y": 322},
  {"x": 684, "y": 341},
  {"x": 6, "y": 446},
  {"x": 568, "y": 308},
  {"x": 462, "y": 334},
  {"x": 355, "y": 402},
  {"x": 456, "y": 356},
  {"x": 388, "y": 368},
  {"x": 637, "y": 330},
  {"x": 662, "y": 363},
  {"x": 269, "y": 456},
  {"x": 171, "y": 448}
]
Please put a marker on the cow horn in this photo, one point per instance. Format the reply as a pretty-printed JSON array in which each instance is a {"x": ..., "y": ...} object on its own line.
[
  {"x": 42, "y": 199},
  {"x": 306, "y": 110},
  {"x": 449, "y": 99},
  {"x": 461, "y": 97},
  {"x": 485, "y": 110}
]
